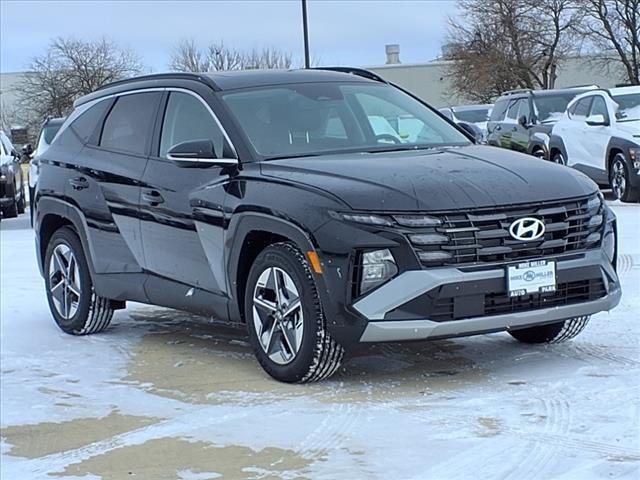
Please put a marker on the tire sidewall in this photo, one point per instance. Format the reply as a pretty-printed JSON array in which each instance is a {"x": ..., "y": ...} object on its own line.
[
  {"x": 619, "y": 158},
  {"x": 280, "y": 256},
  {"x": 75, "y": 324}
]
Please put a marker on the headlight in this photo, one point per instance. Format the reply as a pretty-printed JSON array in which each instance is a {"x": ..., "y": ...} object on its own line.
[
  {"x": 378, "y": 266},
  {"x": 609, "y": 244},
  {"x": 594, "y": 203},
  {"x": 634, "y": 156}
]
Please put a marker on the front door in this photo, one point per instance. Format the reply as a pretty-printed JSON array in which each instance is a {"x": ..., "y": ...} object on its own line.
[{"x": 182, "y": 234}]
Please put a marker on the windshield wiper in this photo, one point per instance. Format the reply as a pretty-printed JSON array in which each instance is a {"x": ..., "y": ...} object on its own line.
[
  {"x": 400, "y": 148},
  {"x": 293, "y": 155}
]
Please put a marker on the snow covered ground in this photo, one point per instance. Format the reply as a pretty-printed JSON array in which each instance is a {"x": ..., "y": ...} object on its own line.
[{"x": 163, "y": 394}]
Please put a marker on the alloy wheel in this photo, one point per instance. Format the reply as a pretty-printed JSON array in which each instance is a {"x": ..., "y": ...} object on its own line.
[
  {"x": 559, "y": 159},
  {"x": 277, "y": 315},
  {"x": 64, "y": 281},
  {"x": 618, "y": 179}
]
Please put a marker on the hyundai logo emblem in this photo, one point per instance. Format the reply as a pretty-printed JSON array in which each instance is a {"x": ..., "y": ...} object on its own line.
[{"x": 527, "y": 229}]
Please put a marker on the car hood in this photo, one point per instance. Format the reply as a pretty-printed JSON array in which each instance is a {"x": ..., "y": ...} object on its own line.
[{"x": 428, "y": 180}]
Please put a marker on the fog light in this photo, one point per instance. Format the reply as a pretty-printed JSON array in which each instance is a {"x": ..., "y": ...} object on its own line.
[{"x": 378, "y": 266}]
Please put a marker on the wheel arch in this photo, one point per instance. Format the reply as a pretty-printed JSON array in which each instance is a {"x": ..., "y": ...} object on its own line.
[{"x": 252, "y": 233}]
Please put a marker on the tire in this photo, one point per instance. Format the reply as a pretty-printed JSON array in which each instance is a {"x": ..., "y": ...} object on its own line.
[
  {"x": 619, "y": 180},
  {"x": 539, "y": 153},
  {"x": 552, "y": 333},
  {"x": 558, "y": 158},
  {"x": 82, "y": 313},
  {"x": 11, "y": 211},
  {"x": 311, "y": 354}
]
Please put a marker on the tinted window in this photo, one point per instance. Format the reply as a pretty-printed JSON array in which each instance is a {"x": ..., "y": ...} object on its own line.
[
  {"x": 582, "y": 109},
  {"x": 310, "y": 118},
  {"x": 524, "y": 109},
  {"x": 599, "y": 107},
  {"x": 478, "y": 115},
  {"x": 550, "y": 107},
  {"x": 512, "y": 112},
  {"x": 128, "y": 125},
  {"x": 499, "y": 109},
  {"x": 187, "y": 118}
]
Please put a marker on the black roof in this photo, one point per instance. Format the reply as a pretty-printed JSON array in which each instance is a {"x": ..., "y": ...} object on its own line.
[{"x": 231, "y": 80}]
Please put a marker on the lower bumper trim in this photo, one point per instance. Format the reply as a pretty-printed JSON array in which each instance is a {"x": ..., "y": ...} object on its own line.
[{"x": 402, "y": 330}]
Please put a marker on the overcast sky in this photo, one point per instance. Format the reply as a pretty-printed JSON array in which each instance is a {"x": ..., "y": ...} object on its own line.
[{"x": 341, "y": 32}]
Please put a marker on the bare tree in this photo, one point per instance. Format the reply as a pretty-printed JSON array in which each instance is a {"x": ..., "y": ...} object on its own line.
[
  {"x": 188, "y": 57},
  {"x": 611, "y": 30},
  {"x": 502, "y": 44},
  {"x": 69, "y": 69}
]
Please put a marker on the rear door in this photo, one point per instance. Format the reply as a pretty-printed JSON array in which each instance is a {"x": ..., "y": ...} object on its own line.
[
  {"x": 104, "y": 182},
  {"x": 510, "y": 124},
  {"x": 182, "y": 237}
]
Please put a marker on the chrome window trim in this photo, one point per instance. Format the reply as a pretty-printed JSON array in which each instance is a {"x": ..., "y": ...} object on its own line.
[{"x": 85, "y": 106}]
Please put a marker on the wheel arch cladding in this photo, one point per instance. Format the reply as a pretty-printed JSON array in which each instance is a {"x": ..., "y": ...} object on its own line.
[{"x": 252, "y": 233}]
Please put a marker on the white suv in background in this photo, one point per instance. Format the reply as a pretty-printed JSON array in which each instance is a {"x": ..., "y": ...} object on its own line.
[{"x": 599, "y": 134}]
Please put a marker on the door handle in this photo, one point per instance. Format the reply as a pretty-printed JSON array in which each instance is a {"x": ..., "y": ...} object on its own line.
[
  {"x": 152, "y": 197},
  {"x": 79, "y": 183}
]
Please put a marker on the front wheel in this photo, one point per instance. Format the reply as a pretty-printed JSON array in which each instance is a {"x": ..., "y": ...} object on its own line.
[
  {"x": 75, "y": 307},
  {"x": 552, "y": 333},
  {"x": 285, "y": 320},
  {"x": 558, "y": 158},
  {"x": 619, "y": 180}
]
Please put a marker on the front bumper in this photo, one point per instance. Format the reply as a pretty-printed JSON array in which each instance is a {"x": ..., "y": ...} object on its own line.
[{"x": 384, "y": 303}]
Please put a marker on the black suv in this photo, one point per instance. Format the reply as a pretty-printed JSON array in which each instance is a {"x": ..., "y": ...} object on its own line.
[
  {"x": 323, "y": 209},
  {"x": 522, "y": 120}
]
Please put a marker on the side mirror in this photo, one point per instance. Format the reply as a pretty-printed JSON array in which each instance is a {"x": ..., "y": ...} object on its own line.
[
  {"x": 523, "y": 121},
  {"x": 197, "y": 153},
  {"x": 597, "y": 120},
  {"x": 472, "y": 130}
]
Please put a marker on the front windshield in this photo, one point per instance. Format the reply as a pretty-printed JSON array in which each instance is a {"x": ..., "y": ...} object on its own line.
[
  {"x": 549, "y": 108},
  {"x": 321, "y": 118},
  {"x": 476, "y": 115},
  {"x": 628, "y": 107}
]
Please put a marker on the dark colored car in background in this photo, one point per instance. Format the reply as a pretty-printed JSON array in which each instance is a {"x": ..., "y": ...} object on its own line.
[
  {"x": 321, "y": 209},
  {"x": 48, "y": 132},
  {"x": 522, "y": 120},
  {"x": 475, "y": 116},
  {"x": 12, "y": 193}
]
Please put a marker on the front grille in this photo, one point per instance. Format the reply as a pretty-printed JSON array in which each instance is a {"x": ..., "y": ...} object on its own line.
[
  {"x": 500, "y": 303},
  {"x": 483, "y": 236}
]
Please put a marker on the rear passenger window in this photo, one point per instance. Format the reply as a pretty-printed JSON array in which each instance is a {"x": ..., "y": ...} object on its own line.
[
  {"x": 129, "y": 124},
  {"x": 187, "y": 118}
]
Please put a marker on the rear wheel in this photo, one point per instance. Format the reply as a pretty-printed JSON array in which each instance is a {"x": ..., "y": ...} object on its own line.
[
  {"x": 72, "y": 300},
  {"x": 284, "y": 316},
  {"x": 22, "y": 203},
  {"x": 552, "y": 333},
  {"x": 619, "y": 180}
]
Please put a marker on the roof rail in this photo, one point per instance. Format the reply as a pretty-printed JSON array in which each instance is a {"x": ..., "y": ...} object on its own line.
[
  {"x": 159, "y": 76},
  {"x": 517, "y": 90},
  {"x": 361, "y": 72},
  {"x": 590, "y": 85}
]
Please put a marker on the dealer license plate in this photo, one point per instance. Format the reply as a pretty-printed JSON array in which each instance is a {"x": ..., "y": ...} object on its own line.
[{"x": 531, "y": 277}]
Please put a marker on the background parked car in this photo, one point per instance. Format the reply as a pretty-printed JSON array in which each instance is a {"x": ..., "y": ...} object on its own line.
[
  {"x": 522, "y": 120},
  {"x": 48, "y": 132},
  {"x": 474, "y": 115},
  {"x": 12, "y": 195},
  {"x": 600, "y": 135}
]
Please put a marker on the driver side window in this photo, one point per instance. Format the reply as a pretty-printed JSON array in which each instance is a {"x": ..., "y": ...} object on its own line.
[{"x": 187, "y": 118}]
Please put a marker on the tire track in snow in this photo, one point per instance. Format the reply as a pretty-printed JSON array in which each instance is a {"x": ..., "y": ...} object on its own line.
[{"x": 586, "y": 351}]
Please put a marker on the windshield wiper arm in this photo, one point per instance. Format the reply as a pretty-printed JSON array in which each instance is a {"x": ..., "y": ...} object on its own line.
[{"x": 293, "y": 155}]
